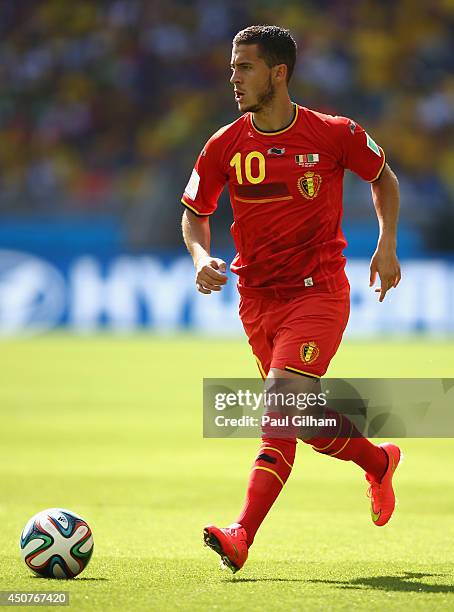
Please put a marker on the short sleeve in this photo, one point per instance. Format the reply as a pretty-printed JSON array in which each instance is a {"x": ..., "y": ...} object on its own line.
[
  {"x": 206, "y": 181},
  {"x": 360, "y": 153}
]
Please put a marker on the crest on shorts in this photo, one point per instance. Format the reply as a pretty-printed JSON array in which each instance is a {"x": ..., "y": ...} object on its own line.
[
  {"x": 309, "y": 184},
  {"x": 309, "y": 352}
]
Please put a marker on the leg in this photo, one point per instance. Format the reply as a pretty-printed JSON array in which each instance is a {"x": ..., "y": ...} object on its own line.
[
  {"x": 271, "y": 468},
  {"x": 305, "y": 347},
  {"x": 274, "y": 460}
]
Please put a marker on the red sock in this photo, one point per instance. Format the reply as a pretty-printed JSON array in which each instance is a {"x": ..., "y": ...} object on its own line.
[
  {"x": 350, "y": 445},
  {"x": 269, "y": 474}
]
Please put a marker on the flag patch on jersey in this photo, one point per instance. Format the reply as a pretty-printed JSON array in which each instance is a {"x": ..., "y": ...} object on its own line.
[
  {"x": 372, "y": 145},
  {"x": 192, "y": 187},
  {"x": 307, "y": 160}
]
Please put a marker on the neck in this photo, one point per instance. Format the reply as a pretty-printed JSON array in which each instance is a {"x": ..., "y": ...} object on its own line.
[{"x": 276, "y": 116}]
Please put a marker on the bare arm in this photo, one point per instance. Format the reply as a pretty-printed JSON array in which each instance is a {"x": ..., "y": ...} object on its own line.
[
  {"x": 385, "y": 195},
  {"x": 210, "y": 271}
]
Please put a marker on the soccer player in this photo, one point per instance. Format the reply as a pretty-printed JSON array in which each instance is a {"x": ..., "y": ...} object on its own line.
[{"x": 284, "y": 166}]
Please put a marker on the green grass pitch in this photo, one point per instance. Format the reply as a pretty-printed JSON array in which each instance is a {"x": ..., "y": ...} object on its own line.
[{"x": 112, "y": 429}]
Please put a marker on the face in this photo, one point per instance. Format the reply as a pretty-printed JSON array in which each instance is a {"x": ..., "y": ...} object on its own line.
[{"x": 251, "y": 78}]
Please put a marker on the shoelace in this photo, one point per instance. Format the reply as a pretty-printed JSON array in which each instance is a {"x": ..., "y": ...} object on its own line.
[{"x": 370, "y": 490}]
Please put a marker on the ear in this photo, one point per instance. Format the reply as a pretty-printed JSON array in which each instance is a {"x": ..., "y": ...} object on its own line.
[{"x": 280, "y": 72}]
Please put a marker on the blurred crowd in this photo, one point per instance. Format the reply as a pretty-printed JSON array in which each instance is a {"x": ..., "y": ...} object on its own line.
[{"x": 105, "y": 105}]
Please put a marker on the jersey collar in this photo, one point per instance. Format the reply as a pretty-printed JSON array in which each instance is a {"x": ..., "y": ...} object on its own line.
[{"x": 273, "y": 133}]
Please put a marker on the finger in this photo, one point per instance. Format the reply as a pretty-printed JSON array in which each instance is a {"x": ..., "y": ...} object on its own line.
[
  {"x": 383, "y": 290},
  {"x": 218, "y": 280},
  {"x": 208, "y": 284},
  {"x": 213, "y": 275},
  {"x": 373, "y": 276},
  {"x": 398, "y": 277},
  {"x": 219, "y": 264},
  {"x": 212, "y": 286},
  {"x": 386, "y": 281},
  {"x": 202, "y": 289}
]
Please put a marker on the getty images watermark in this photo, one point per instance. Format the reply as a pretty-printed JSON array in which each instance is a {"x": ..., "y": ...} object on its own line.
[
  {"x": 378, "y": 407},
  {"x": 271, "y": 401}
]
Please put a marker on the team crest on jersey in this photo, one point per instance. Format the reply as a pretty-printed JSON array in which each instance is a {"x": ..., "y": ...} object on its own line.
[
  {"x": 309, "y": 184},
  {"x": 309, "y": 352}
]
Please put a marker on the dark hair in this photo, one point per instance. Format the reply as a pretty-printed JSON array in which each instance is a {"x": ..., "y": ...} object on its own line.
[{"x": 276, "y": 45}]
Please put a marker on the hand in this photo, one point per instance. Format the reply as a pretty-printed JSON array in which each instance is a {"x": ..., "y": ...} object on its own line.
[
  {"x": 210, "y": 274},
  {"x": 385, "y": 263}
]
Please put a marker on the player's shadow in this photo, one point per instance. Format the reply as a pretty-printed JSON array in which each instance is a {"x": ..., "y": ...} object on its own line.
[
  {"x": 76, "y": 579},
  {"x": 408, "y": 582},
  {"x": 265, "y": 580}
]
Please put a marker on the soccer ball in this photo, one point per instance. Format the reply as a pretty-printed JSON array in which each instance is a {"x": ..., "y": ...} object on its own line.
[{"x": 56, "y": 543}]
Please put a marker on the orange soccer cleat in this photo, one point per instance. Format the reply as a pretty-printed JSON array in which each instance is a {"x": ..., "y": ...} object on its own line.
[
  {"x": 382, "y": 499},
  {"x": 230, "y": 543}
]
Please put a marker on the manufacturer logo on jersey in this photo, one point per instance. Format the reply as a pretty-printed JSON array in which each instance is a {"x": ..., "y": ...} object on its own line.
[
  {"x": 352, "y": 126},
  {"x": 309, "y": 352},
  {"x": 307, "y": 160},
  {"x": 309, "y": 184},
  {"x": 275, "y": 151}
]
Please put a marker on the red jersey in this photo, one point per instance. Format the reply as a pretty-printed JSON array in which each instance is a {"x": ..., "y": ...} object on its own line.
[{"x": 286, "y": 193}]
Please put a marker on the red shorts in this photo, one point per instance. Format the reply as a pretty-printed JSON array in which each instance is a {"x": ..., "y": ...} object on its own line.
[{"x": 299, "y": 334}]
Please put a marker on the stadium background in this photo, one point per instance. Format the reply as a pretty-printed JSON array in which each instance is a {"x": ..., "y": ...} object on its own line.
[{"x": 104, "y": 107}]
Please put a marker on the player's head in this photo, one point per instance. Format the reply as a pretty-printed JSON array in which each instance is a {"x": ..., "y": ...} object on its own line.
[{"x": 263, "y": 59}]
